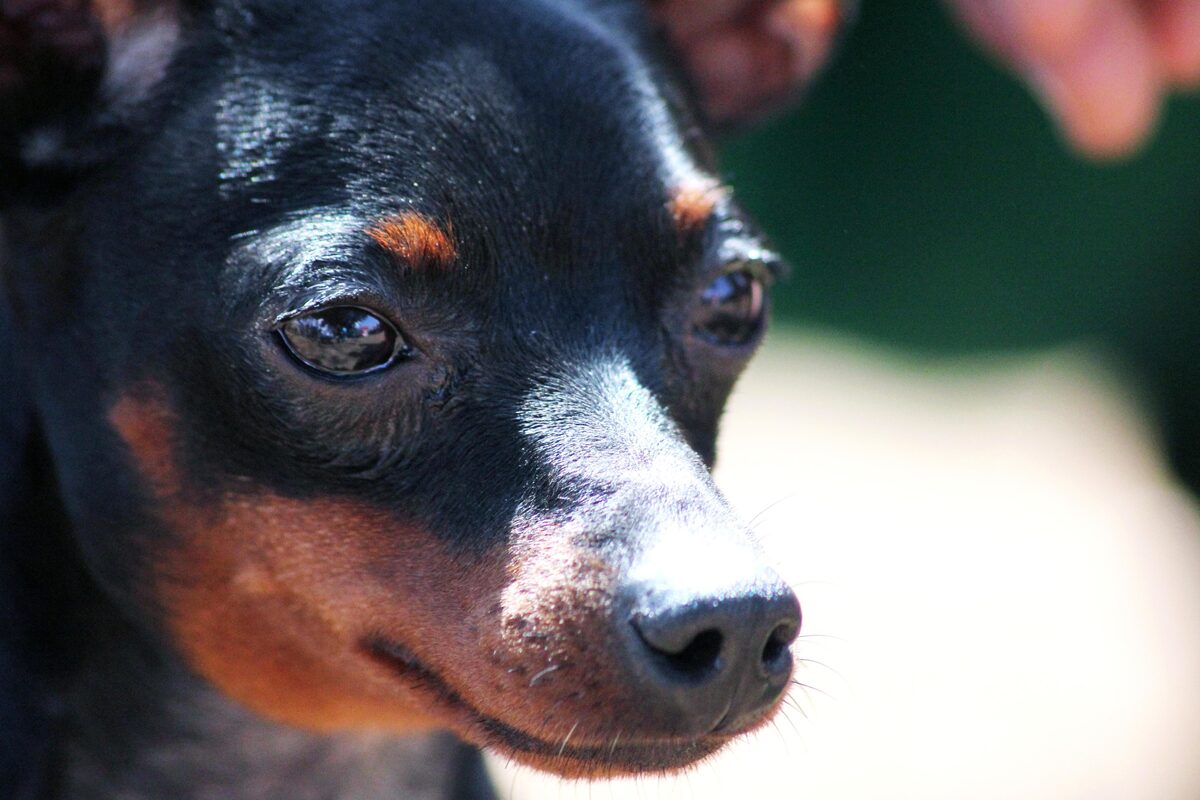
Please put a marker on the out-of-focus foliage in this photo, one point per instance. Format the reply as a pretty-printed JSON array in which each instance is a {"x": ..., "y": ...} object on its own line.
[{"x": 925, "y": 200}]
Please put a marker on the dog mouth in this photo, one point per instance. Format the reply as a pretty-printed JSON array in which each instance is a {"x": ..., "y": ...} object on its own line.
[{"x": 620, "y": 755}]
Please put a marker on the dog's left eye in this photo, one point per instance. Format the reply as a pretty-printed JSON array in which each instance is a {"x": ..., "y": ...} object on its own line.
[
  {"x": 732, "y": 309},
  {"x": 343, "y": 340}
]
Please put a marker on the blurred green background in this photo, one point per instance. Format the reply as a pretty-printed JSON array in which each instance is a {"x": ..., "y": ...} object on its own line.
[{"x": 925, "y": 201}]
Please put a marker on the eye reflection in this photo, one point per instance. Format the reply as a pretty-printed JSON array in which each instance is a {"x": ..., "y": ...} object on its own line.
[
  {"x": 342, "y": 340},
  {"x": 731, "y": 309}
]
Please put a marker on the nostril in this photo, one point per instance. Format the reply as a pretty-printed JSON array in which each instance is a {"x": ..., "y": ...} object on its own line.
[
  {"x": 700, "y": 655},
  {"x": 697, "y": 658},
  {"x": 775, "y": 653}
]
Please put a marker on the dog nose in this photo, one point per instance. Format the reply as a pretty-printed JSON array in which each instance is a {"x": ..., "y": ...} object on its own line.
[{"x": 710, "y": 658}]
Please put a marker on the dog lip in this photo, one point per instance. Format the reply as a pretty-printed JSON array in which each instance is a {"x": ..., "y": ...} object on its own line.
[{"x": 659, "y": 756}]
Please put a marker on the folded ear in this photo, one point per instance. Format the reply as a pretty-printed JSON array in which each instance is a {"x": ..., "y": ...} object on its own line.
[
  {"x": 66, "y": 65},
  {"x": 748, "y": 58}
]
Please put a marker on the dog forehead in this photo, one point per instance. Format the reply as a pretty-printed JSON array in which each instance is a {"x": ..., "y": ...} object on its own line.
[{"x": 526, "y": 98}]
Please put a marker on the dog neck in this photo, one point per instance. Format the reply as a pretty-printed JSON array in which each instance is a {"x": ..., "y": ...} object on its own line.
[{"x": 139, "y": 727}]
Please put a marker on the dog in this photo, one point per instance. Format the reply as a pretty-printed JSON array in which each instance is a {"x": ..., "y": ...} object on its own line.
[{"x": 363, "y": 369}]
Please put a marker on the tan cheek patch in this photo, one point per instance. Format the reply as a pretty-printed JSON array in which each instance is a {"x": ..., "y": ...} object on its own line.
[
  {"x": 272, "y": 599},
  {"x": 265, "y": 603},
  {"x": 415, "y": 239}
]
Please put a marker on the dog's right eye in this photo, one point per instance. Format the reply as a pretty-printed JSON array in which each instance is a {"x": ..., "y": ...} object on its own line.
[{"x": 343, "y": 341}]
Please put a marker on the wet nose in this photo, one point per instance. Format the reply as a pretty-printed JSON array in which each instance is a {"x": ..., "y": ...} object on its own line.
[{"x": 710, "y": 656}]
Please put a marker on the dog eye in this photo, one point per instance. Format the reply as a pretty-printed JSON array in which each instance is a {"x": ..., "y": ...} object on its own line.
[
  {"x": 343, "y": 340},
  {"x": 732, "y": 309}
]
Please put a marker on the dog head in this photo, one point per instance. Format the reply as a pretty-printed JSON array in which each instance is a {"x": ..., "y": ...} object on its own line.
[{"x": 381, "y": 348}]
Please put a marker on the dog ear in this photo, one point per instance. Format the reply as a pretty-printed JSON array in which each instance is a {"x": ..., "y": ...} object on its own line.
[
  {"x": 749, "y": 58},
  {"x": 67, "y": 66}
]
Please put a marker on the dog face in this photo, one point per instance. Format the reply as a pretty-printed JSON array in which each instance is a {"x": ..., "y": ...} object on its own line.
[{"x": 381, "y": 358}]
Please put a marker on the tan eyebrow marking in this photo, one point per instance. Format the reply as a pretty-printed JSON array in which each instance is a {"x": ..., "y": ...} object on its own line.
[
  {"x": 416, "y": 239},
  {"x": 692, "y": 204}
]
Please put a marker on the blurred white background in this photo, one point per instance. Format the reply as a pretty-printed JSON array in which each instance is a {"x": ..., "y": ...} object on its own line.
[{"x": 1001, "y": 585}]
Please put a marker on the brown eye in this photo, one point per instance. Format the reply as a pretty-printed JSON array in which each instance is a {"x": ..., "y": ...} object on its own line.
[
  {"x": 731, "y": 309},
  {"x": 343, "y": 340}
]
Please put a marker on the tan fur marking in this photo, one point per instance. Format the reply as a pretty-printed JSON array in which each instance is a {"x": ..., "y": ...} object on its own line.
[
  {"x": 415, "y": 239},
  {"x": 692, "y": 205},
  {"x": 262, "y": 591},
  {"x": 144, "y": 422}
]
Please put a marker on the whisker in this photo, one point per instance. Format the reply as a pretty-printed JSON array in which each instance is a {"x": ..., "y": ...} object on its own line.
[
  {"x": 791, "y": 703},
  {"x": 821, "y": 664},
  {"x": 807, "y": 687},
  {"x": 771, "y": 506},
  {"x": 782, "y": 736},
  {"x": 542, "y": 674},
  {"x": 612, "y": 750},
  {"x": 566, "y": 739}
]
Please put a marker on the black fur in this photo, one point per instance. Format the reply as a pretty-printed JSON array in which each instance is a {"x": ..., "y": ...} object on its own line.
[{"x": 157, "y": 236}]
